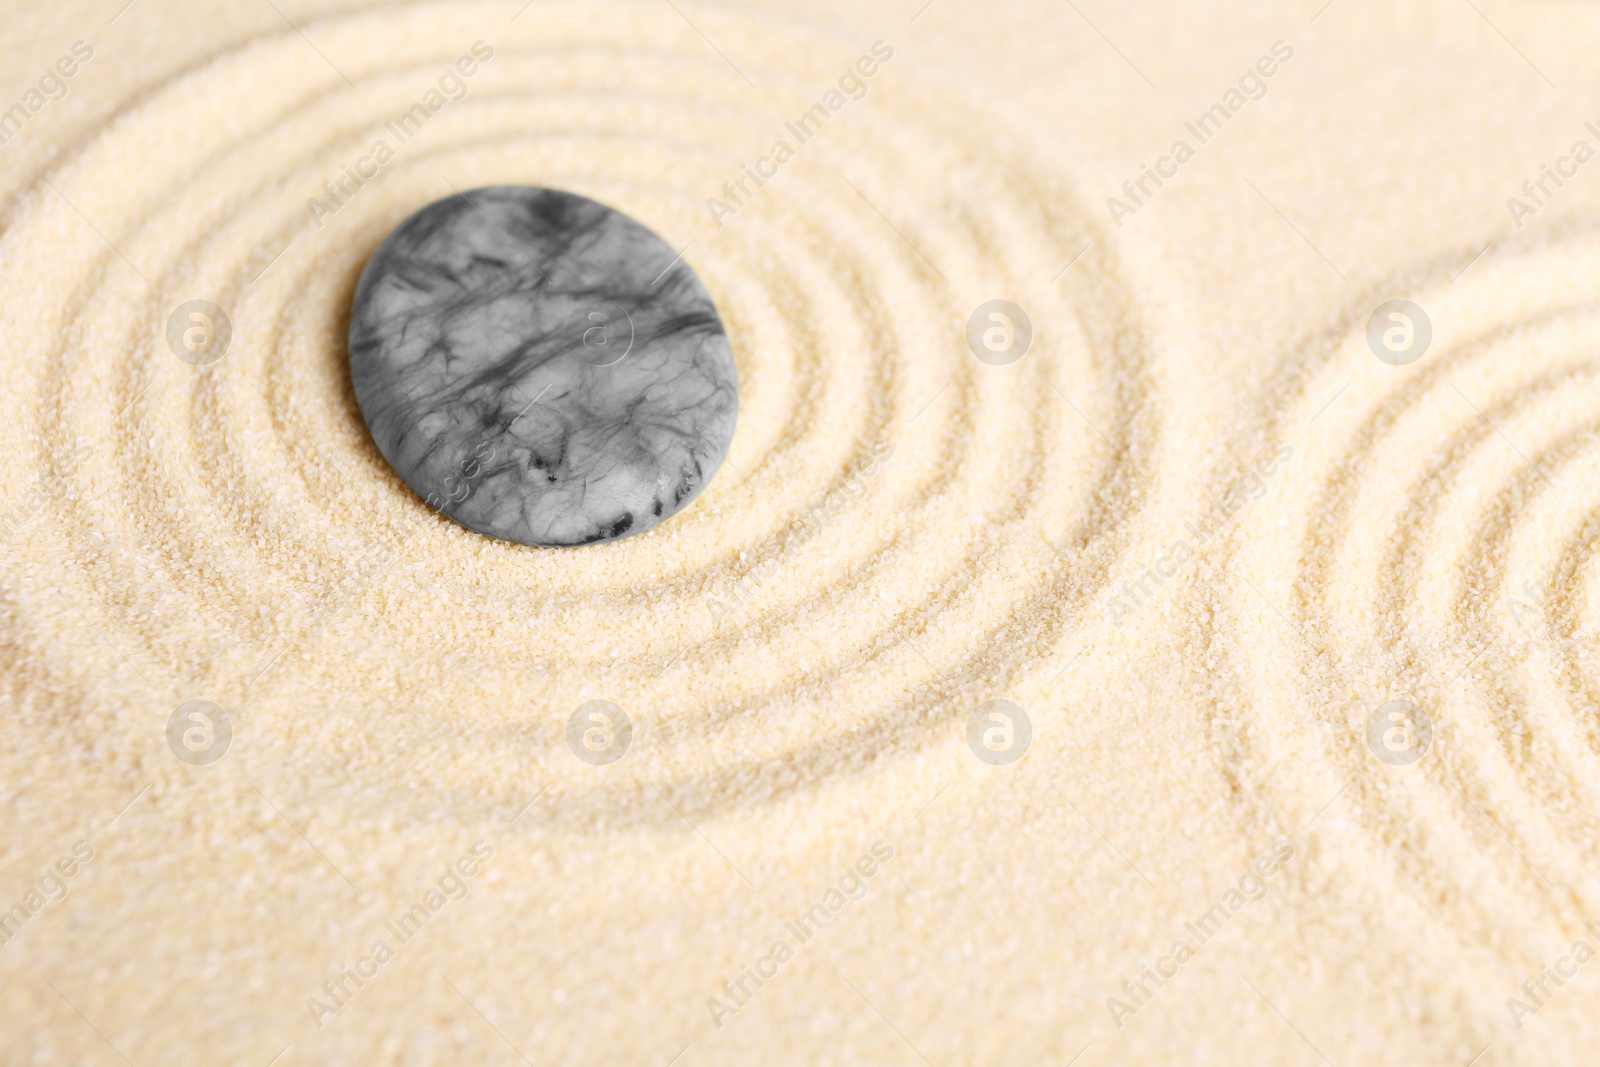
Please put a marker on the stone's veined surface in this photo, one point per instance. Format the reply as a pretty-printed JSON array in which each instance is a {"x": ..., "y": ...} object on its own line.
[{"x": 540, "y": 367}]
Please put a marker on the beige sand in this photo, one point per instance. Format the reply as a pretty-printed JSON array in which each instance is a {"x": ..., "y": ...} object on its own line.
[{"x": 800, "y": 687}]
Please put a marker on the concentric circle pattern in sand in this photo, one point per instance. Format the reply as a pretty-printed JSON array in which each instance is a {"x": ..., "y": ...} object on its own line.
[
  {"x": 1434, "y": 544},
  {"x": 901, "y": 535},
  {"x": 247, "y": 495}
]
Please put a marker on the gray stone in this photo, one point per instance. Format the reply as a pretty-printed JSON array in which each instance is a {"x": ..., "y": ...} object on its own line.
[{"x": 541, "y": 368}]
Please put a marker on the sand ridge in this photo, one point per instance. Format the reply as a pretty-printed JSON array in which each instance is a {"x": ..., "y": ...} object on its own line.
[{"x": 901, "y": 533}]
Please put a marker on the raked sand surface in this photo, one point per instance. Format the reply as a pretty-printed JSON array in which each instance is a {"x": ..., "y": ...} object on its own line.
[{"x": 1199, "y": 533}]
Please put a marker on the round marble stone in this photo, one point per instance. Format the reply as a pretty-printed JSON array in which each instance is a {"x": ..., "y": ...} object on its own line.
[{"x": 541, "y": 368}]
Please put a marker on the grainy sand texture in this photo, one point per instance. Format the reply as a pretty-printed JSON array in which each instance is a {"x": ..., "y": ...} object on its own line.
[{"x": 1278, "y": 539}]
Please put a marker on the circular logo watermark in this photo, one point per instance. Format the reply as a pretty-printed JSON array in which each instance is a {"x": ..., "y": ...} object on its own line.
[
  {"x": 1399, "y": 732},
  {"x": 199, "y": 332},
  {"x": 599, "y": 732},
  {"x": 999, "y": 732},
  {"x": 1399, "y": 332},
  {"x": 199, "y": 732},
  {"x": 999, "y": 332},
  {"x": 601, "y": 332}
]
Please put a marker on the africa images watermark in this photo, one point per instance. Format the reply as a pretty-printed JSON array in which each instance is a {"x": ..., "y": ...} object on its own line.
[
  {"x": 53, "y": 486},
  {"x": 737, "y": 596},
  {"x": 1536, "y": 591},
  {"x": 452, "y": 87},
  {"x": 1250, "y": 486},
  {"x": 1559, "y": 972},
  {"x": 1252, "y": 86},
  {"x": 51, "y": 86},
  {"x": 375, "y": 559},
  {"x": 852, "y": 86},
  {"x": 1537, "y": 193},
  {"x": 452, "y": 885},
  {"x": 852, "y": 887},
  {"x": 1252, "y": 887},
  {"x": 51, "y": 887}
]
